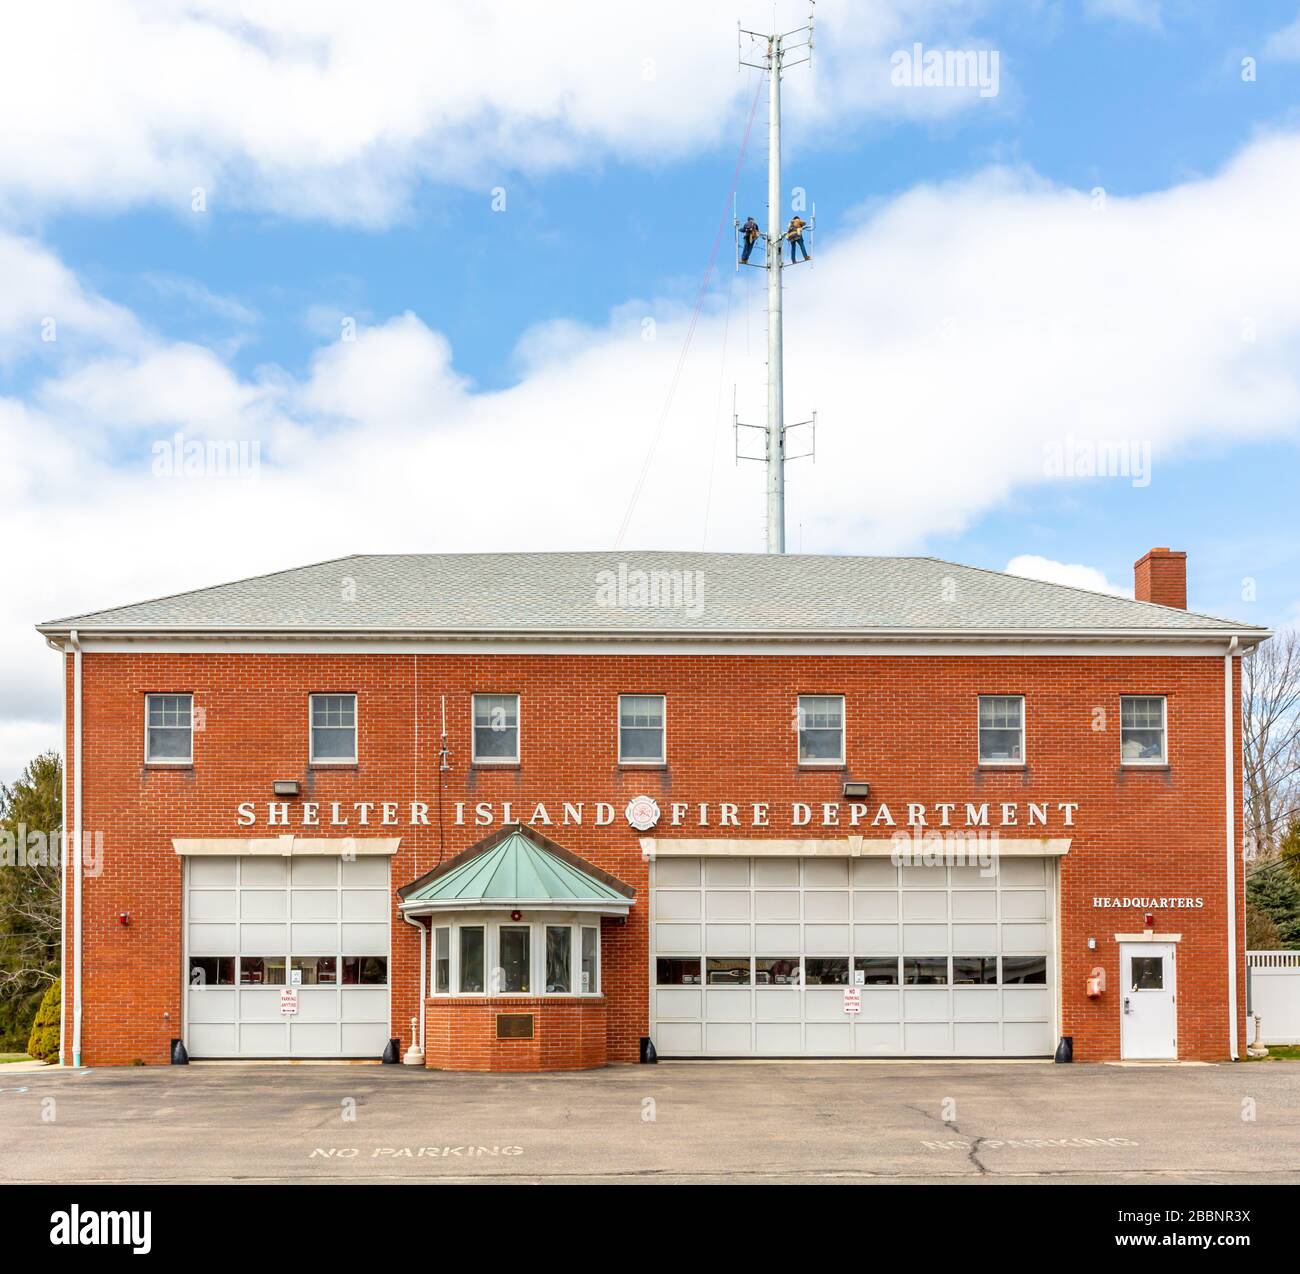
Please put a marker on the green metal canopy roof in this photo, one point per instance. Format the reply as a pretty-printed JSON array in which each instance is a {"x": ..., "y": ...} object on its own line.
[{"x": 518, "y": 868}]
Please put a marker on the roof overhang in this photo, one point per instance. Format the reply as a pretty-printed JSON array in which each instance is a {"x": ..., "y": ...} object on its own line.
[
  {"x": 1247, "y": 635},
  {"x": 603, "y": 893}
]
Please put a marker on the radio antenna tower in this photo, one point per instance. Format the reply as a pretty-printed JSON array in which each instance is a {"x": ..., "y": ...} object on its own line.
[{"x": 774, "y": 53}]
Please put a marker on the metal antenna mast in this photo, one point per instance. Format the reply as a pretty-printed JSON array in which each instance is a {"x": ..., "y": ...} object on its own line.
[{"x": 775, "y": 50}]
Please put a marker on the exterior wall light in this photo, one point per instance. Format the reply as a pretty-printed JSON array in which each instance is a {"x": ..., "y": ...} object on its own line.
[
  {"x": 858, "y": 791},
  {"x": 285, "y": 787}
]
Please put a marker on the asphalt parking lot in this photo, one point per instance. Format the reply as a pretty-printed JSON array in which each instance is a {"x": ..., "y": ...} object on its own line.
[{"x": 676, "y": 1122}]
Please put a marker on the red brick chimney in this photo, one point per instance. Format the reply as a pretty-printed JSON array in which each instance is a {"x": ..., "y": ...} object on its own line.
[{"x": 1161, "y": 577}]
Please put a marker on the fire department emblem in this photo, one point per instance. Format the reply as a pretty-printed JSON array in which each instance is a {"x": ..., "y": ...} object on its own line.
[{"x": 642, "y": 812}]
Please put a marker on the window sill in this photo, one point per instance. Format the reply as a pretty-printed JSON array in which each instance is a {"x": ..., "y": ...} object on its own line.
[
  {"x": 1002, "y": 765},
  {"x": 814, "y": 766},
  {"x": 495, "y": 765},
  {"x": 1144, "y": 767},
  {"x": 333, "y": 765},
  {"x": 643, "y": 765},
  {"x": 169, "y": 765}
]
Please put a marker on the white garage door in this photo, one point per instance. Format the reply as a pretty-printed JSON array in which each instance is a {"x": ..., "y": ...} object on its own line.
[
  {"x": 752, "y": 957},
  {"x": 255, "y": 926}
]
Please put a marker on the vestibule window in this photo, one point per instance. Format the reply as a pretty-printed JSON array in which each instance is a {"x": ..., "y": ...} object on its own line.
[
  {"x": 512, "y": 974},
  {"x": 821, "y": 729},
  {"x": 169, "y": 729},
  {"x": 641, "y": 729},
  {"x": 564, "y": 948},
  {"x": 1002, "y": 730},
  {"x": 333, "y": 729},
  {"x": 441, "y": 961},
  {"x": 590, "y": 984},
  {"x": 496, "y": 729},
  {"x": 471, "y": 959},
  {"x": 1142, "y": 730}
]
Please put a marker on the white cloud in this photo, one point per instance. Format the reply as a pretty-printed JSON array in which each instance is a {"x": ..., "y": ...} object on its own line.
[
  {"x": 43, "y": 307},
  {"x": 334, "y": 108},
  {"x": 1144, "y": 13},
  {"x": 948, "y": 341},
  {"x": 1284, "y": 45},
  {"x": 1075, "y": 574}
]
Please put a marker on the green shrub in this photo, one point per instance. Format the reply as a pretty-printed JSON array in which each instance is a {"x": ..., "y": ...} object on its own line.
[
  {"x": 17, "y": 1012},
  {"x": 44, "y": 1042}
]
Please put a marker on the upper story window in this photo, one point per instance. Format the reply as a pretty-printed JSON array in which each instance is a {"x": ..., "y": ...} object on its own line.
[
  {"x": 641, "y": 729},
  {"x": 496, "y": 729},
  {"x": 333, "y": 729},
  {"x": 1142, "y": 721},
  {"x": 169, "y": 729},
  {"x": 1002, "y": 730},
  {"x": 821, "y": 729}
]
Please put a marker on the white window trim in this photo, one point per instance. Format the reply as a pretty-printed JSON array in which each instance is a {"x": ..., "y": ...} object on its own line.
[
  {"x": 475, "y": 759},
  {"x": 168, "y": 760},
  {"x": 823, "y": 762},
  {"x": 537, "y": 922},
  {"x": 312, "y": 758},
  {"x": 1141, "y": 762},
  {"x": 662, "y": 758},
  {"x": 979, "y": 755}
]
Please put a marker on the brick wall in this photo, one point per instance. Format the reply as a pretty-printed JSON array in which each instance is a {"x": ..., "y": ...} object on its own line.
[
  {"x": 460, "y": 1034},
  {"x": 911, "y": 732}
]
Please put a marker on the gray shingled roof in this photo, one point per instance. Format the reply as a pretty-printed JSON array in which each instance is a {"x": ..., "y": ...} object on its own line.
[{"x": 585, "y": 594}]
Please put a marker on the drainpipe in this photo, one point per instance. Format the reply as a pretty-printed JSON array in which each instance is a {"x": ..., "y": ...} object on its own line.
[
  {"x": 424, "y": 966},
  {"x": 63, "y": 859},
  {"x": 75, "y": 640},
  {"x": 1230, "y": 813}
]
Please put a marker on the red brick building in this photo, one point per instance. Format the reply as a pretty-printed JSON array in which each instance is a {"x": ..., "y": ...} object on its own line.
[{"x": 553, "y": 806}]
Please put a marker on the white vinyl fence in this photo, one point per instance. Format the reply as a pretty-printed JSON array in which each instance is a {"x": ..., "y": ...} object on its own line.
[{"x": 1273, "y": 995}]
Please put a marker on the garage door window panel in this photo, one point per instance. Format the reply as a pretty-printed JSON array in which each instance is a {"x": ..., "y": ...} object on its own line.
[
  {"x": 776, "y": 971},
  {"x": 212, "y": 971},
  {"x": 670, "y": 971},
  {"x": 821, "y": 971},
  {"x": 727, "y": 970},
  {"x": 262, "y": 971}
]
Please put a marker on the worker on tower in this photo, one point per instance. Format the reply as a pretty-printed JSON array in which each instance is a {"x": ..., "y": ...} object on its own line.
[
  {"x": 795, "y": 235},
  {"x": 751, "y": 234}
]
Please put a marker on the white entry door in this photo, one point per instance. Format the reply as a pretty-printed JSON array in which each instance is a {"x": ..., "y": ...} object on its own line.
[{"x": 1148, "y": 1002}]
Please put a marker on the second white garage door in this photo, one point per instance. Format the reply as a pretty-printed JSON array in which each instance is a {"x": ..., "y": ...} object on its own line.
[
  {"x": 752, "y": 957},
  {"x": 258, "y": 925}
]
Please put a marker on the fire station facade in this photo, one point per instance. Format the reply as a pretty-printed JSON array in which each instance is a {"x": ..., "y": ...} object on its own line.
[{"x": 533, "y": 811}]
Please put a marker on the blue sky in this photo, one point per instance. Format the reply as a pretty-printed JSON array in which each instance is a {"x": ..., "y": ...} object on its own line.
[{"x": 501, "y": 378}]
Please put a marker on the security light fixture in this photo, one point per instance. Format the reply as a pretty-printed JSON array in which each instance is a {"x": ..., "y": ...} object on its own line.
[
  {"x": 858, "y": 791},
  {"x": 285, "y": 787}
]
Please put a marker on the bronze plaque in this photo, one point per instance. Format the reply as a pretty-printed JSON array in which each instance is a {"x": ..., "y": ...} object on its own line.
[{"x": 514, "y": 1026}]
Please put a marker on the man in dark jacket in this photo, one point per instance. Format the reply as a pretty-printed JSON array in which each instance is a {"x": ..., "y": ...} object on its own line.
[
  {"x": 751, "y": 235},
  {"x": 795, "y": 235}
]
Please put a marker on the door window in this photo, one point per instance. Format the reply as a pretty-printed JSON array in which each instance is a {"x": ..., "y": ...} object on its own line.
[{"x": 1148, "y": 973}]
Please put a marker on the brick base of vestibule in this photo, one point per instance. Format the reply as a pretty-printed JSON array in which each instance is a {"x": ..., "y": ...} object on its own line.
[{"x": 460, "y": 1034}]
